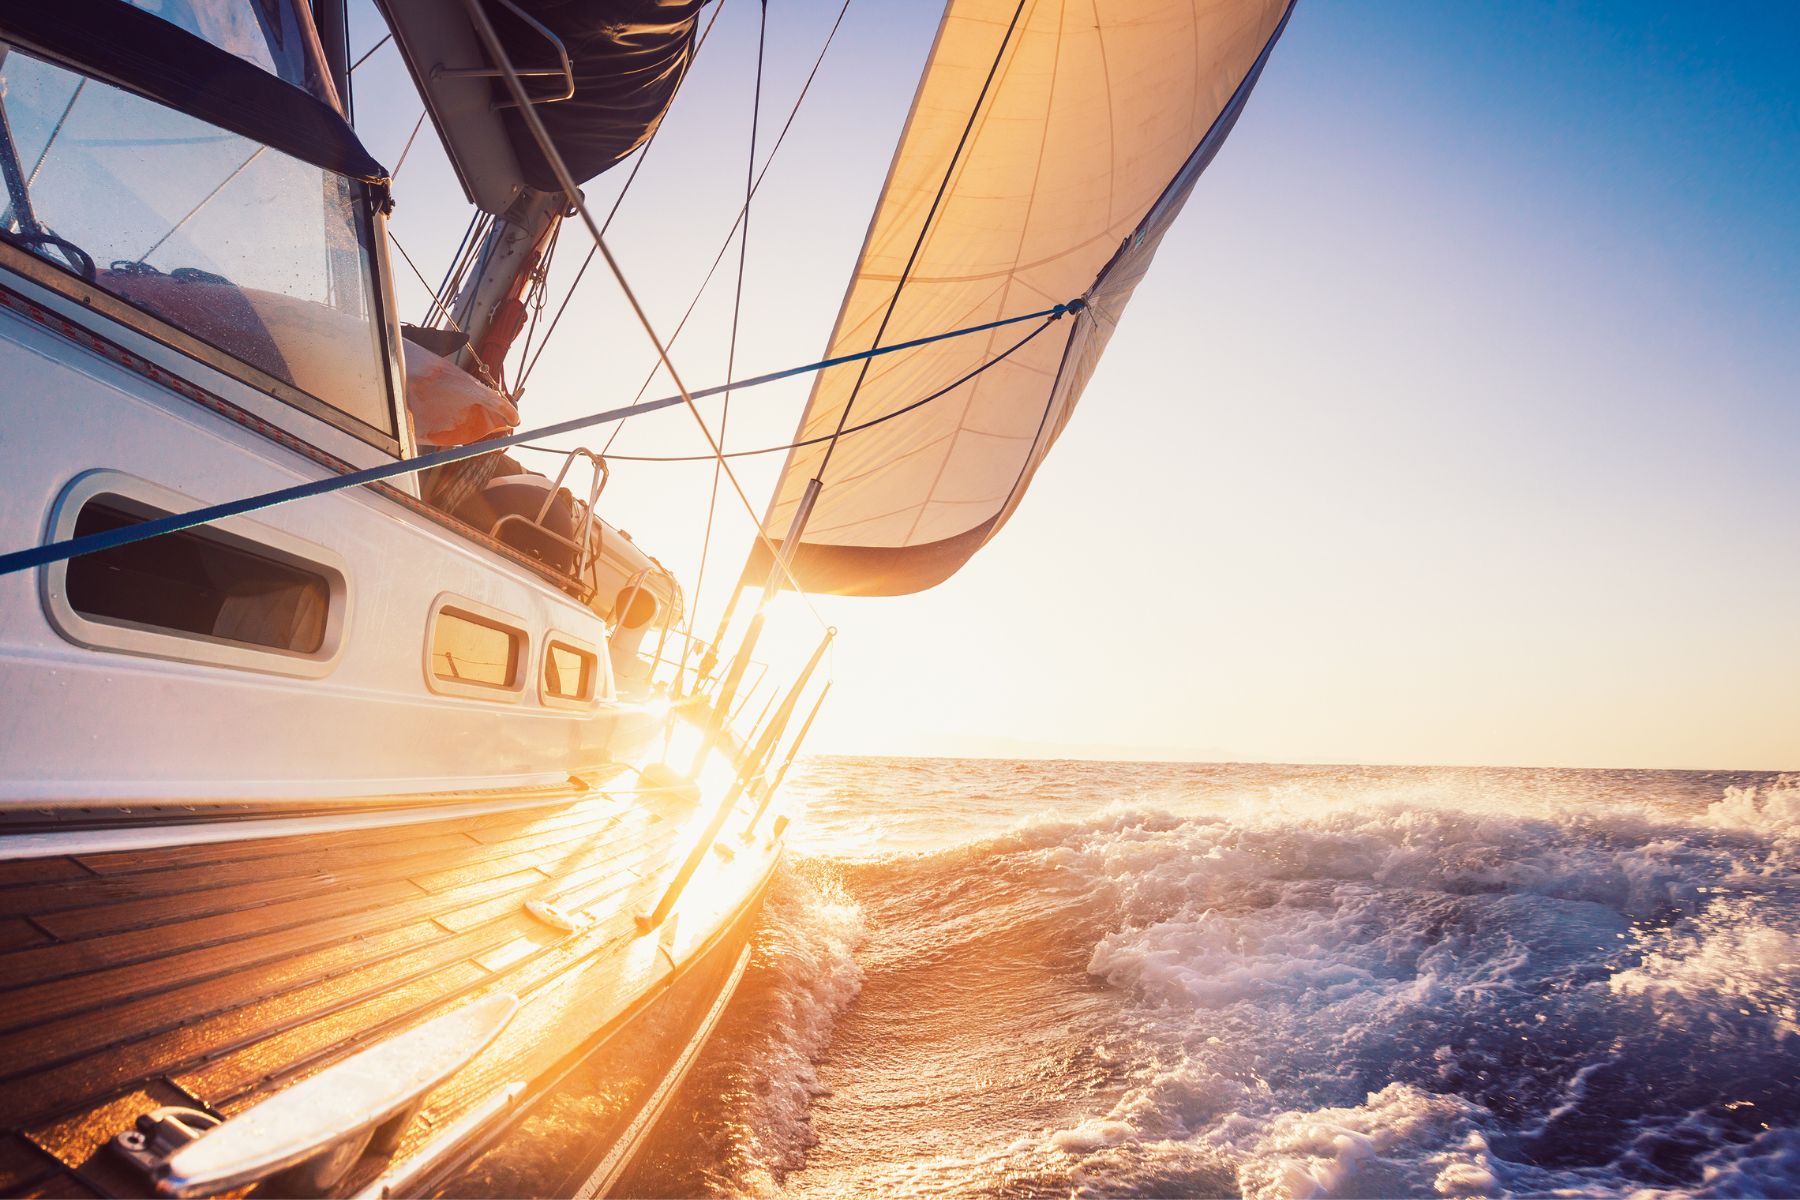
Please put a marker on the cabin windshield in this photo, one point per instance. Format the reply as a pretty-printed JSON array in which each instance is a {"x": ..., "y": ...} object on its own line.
[{"x": 260, "y": 255}]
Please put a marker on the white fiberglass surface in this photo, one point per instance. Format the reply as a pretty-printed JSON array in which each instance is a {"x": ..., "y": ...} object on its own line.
[
  {"x": 256, "y": 253},
  {"x": 146, "y": 728}
]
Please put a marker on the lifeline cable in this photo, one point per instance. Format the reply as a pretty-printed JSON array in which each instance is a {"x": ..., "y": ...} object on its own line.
[{"x": 50, "y": 552}]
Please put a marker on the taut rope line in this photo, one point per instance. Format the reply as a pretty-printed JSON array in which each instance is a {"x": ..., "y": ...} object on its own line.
[{"x": 50, "y": 552}]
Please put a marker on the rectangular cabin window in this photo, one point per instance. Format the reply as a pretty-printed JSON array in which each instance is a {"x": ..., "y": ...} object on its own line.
[
  {"x": 568, "y": 672},
  {"x": 198, "y": 583},
  {"x": 469, "y": 649}
]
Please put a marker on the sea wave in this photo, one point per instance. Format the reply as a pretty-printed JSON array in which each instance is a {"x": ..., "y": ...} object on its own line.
[
  {"x": 760, "y": 1079},
  {"x": 1403, "y": 987}
]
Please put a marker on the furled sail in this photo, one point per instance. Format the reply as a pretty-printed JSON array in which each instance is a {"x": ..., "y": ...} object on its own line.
[
  {"x": 1050, "y": 145},
  {"x": 603, "y": 71}
]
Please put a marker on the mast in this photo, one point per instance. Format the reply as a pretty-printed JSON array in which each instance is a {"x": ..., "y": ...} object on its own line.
[{"x": 490, "y": 308}]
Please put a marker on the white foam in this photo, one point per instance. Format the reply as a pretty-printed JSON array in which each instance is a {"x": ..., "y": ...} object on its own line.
[
  {"x": 1321, "y": 943},
  {"x": 1387, "y": 987},
  {"x": 1399, "y": 1141},
  {"x": 1731, "y": 954},
  {"x": 805, "y": 975}
]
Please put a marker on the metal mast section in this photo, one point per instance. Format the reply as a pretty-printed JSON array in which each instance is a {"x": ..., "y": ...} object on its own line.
[{"x": 490, "y": 307}]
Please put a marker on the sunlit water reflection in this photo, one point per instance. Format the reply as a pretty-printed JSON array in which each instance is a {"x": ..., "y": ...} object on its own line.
[{"x": 1025, "y": 979}]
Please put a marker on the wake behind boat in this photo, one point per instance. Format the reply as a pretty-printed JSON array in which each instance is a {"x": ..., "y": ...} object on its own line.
[{"x": 368, "y": 797}]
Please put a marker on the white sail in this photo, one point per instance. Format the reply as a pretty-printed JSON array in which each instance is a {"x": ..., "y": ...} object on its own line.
[{"x": 1049, "y": 146}]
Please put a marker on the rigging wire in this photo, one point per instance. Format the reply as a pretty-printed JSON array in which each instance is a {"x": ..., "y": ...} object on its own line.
[
  {"x": 456, "y": 258},
  {"x": 725, "y": 244},
  {"x": 737, "y": 307},
  {"x": 420, "y": 276},
  {"x": 925, "y": 228},
  {"x": 56, "y": 132},
  {"x": 535, "y": 298},
  {"x": 51, "y": 552},
  {"x": 407, "y": 149},
  {"x": 605, "y": 225},
  {"x": 385, "y": 39},
  {"x": 572, "y": 190},
  {"x": 204, "y": 201},
  {"x": 825, "y": 437}
]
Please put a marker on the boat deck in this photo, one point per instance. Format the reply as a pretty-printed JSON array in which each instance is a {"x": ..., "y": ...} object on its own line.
[{"x": 212, "y": 976}]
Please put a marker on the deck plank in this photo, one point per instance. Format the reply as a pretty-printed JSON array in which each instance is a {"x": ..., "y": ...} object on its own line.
[
  {"x": 21, "y": 1165},
  {"x": 229, "y": 972},
  {"x": 274, "y": 846},
  {"x": 24, "y": 871},
  {"x": 292, "y": 1052},
  {"x": 308, "y": 858},
  {"x": 143, "y": 1015},
  {"x": 16, "y": 933},
  {"x": 146, "y": 1014},
  {"x": 232, "y": 1081},
  {"x": 456, "y": 859},
  {"x": 605, "y": 868},
  {"x": 71, "y": 1058},
  {"x": 442, "y": 964},
  {"x": 51, "y": 983},
  {"x": 67, "y": 994},
  {"x": 38, "y": 964}
]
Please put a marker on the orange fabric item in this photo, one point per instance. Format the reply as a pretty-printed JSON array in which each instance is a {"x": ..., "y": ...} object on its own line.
[{"x": 449, "y": 406}]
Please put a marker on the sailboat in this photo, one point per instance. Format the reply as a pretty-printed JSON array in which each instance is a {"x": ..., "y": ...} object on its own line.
[{"x": 370, "y": 803}]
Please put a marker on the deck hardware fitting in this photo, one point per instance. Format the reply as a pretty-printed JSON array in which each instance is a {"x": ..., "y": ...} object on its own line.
[
  {"x": 305, "y": 1139},
  {"x": 557, "y": 917},
  {"x": 403, "y": 1178},
  {"x": 659, "y": 777},
  {"x": 159, "y": 1133}
]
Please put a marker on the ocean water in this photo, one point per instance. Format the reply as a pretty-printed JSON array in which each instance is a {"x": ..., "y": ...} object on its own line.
[{"x": 994, "y": 978}]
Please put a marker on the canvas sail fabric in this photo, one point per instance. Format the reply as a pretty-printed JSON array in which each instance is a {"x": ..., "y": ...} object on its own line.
[
  {"x": 1098, "y": 119},
  {"x": 628, "y": 57},
  {"x": 626, "y": 61}
]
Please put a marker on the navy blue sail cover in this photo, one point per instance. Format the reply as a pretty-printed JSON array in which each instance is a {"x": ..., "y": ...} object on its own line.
[{"x": 628, "y": 59}]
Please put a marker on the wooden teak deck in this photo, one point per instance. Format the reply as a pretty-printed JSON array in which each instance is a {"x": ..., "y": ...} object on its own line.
[{"x": 215, "y": 975}]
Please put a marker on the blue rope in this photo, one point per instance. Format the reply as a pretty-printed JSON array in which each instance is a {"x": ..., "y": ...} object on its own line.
[{"x": 50, "y": 552}]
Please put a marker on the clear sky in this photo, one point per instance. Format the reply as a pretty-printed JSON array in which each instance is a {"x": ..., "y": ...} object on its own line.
[{"x": 1458, "y": 421}]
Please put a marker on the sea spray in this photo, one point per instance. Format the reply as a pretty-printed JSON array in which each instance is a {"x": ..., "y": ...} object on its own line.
[
  {"x": 1164, "y": 980},
  {"x": 761, "y": 1077}
]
